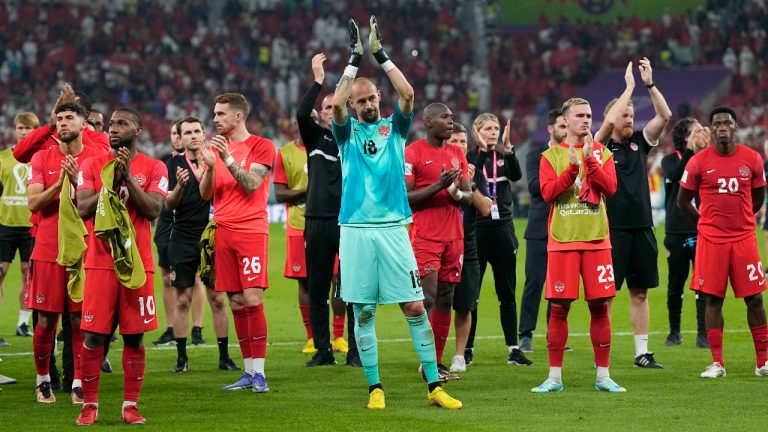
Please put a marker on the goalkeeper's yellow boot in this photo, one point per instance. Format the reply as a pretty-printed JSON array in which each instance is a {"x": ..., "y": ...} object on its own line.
[
  {"x": 309, "y": 348},
  {"x": 439, "y": 397},
  {"x": 376, "y": 399}
]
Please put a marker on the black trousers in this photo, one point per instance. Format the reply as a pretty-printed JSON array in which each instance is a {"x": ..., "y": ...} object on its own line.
[
  {"x": 679, "y": 260},
  {"x": 535, "y": 276},
  {"x": 497, "y": 246},
  {"x": 321, "y": 236}
]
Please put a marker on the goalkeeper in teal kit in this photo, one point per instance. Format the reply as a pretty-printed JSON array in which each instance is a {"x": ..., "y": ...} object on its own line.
[{"x": 377, "y": 262}]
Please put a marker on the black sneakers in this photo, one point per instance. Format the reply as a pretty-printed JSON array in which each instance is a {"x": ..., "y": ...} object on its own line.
[
  {"x": 323, "y": 357},
  {"x": 353, "y": 359},
  {"x": 106, "y": 366},
  {"x": 702, "y": 341},
  {"x": 516, "y": 357},
  {"x": 182, "y": 365},
  {"x": 469, "y": 354},
  {"x": 647, "y": 361},
  {"x": 674, "y": 339},
  {"x": 197, "y": 336},
  {"x": 166, "y": 338},
  {"x": 228, "y": 364},
  {"x": 23, "y": 330}
]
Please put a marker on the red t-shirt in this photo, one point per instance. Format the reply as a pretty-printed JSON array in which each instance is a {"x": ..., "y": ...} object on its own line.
[
  {"x": 439, "y": 218},
  {"x": 234, "y": 208},
  {"x": 725, "y": 186},
  {"x": 46, "y": 166},
  {"x": 152, "y": 176}
]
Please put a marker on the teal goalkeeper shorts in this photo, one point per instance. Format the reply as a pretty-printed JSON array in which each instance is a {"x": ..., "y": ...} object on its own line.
[{"x": 378, "y": 266}]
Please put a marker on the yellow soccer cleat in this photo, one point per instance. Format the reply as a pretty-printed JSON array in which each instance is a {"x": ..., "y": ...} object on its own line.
[
  {"x": 376, "y": 399},
  {"x": 340, "y": 345},
  {"x": 438, "y": 397},
  {"x": 309, "y": 348}
]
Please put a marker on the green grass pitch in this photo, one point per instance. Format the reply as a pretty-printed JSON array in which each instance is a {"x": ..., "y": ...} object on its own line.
[{"x": 496, "y": 396}]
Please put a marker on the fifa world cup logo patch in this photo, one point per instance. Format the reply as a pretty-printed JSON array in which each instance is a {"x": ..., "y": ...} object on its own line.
[{"x": 559, "y": 287}]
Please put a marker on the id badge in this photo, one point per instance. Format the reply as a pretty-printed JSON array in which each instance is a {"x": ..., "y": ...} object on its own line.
[{"x": 494, "y": 210}]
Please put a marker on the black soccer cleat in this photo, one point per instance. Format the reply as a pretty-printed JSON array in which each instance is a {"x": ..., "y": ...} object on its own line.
[
  {"x": 353, "y": 359},
  {"x": 23, "y": 330},
  {"x": 469, "y": 355},
  {"x": 673, "y": 339},
  {"x": 228, "y": 364},
  {"x": 516, "y": 357},
  {"x": 197, "y": 336},
  {"x": 647, "y": 361},
  {"x": 106, "y": 366},
  {"x": 166, "y": 338},
  {"x": 702, "y": 341},
  {"x": 182, "y": 365},
  {"x": 323, "y": 357}
]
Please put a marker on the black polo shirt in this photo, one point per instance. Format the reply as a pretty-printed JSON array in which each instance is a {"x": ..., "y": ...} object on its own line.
[
  {"x": 630, "y": 206},
  {"x": 192, "y": 212}
]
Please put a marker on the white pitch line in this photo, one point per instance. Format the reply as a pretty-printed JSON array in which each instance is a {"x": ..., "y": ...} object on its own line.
[{"x": 397, "y": 340}]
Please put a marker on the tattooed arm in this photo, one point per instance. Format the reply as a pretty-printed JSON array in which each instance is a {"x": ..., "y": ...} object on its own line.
[{"x": 249, "y": 180}]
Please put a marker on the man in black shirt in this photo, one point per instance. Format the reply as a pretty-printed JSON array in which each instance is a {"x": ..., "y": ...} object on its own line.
[
  {"x": 680, "y": 240},
  {"x": 536, "y": 234},
  {"x": 633, "y": 242},
  {"x": 162, "y": 239},
  {"x": 191, "y": 214},
  {"x": 321, "y": 217}
]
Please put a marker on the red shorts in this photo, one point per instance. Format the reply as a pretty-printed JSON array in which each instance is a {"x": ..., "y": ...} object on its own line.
[
  {"x": 48, "y": 290},
  {"x": 105, "y": 298},
  {"x": 240, "y": 261},
  {"x": 295, "y": 257},
  {"x": 739, "y": 261},
  {"x": 445, "y": 258},
  {"x": 594, "y": 266}
]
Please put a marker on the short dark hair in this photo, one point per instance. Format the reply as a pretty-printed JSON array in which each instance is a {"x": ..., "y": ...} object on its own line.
[
  {"x": 71, "y": 106},
  {"x": 723, "y": 110},
  {"x": 459, "y": 128},
  {"x": 85, "y": 101},
  {"x": 183, "y": 120},
  {"x": 681, "y": 131},
  {"x": 135, "y": 114},
  {"x": 235, "y": 100},
  {"x": 552, "y": 116}
]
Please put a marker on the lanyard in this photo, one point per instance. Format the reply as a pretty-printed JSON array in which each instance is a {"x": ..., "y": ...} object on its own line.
[
  {"x": 491, "y": 191},
  {"x": 191, "y": 167}
]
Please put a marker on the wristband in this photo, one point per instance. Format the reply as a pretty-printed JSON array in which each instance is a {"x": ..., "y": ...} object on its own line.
[
  {"x": 650, "y": 86},
  {"x": 383, "y": 60},
  {"x": 229, "y": 160},
  {"x": 354, "y": 60},
  {"x": 350, "y": 72},
  {"x": 455, "y": 192}
]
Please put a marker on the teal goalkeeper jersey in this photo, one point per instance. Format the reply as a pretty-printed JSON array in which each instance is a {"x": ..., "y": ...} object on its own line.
[{"x": 373, "y": 189}]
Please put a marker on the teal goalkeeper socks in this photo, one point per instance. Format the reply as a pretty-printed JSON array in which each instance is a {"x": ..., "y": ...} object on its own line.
[
  {"x": 367, "y": 344},
  {"x": 424, "y": 342}
]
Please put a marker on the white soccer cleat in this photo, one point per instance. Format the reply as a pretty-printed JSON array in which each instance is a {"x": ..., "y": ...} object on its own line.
[
  {"x": 762, "y": 370},
  {"x": 715, "y": 370},
  {"x": 458, "y": 364}
]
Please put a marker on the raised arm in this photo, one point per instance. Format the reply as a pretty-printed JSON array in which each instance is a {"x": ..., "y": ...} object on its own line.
[
  {"x": 309, "y": 130},
  {"x": 613, "y": 116},
  {"x": 403, "y": 88},
  {"x": 344, "y": 88},
  {"x": 655, "y": 127}
]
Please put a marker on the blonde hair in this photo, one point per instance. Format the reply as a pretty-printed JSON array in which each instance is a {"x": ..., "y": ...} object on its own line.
[
  {"x": 613, "y": 102},
  {"x": 567, "y": 105},
  {"x": 483, "y": 118},
  {"x": 28, "y": 119}
]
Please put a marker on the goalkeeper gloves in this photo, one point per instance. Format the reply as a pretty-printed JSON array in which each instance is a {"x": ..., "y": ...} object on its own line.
[{"x": 374, "y": 44}]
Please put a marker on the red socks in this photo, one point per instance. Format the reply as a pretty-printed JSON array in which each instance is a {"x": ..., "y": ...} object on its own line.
[
  {"x": 304, "y": 309},
  {"x": 240, "y": 316},
  {"x": 600, "y": 333},
  {"x": 338, "y": 326},
  {"x": 134, "y": 360},
  {"x": 90, "y": 370},
  {"x": 441, "y": 327},
  {"x": 42, "y": 344},
  {"x": 715, "y": 338},
  {"x": 257, "y": 330},
  {"x": 760, "y": 338},
  {"x": 77, "y": 344},
  {"x": 557, "y": 335}
]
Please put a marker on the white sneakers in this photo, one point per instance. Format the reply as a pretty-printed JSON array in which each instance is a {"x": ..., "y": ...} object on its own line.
[
  {"x": 716, "y": 370},
  {"x": 759, "y": 371},
  {"x": 459, "y": 365}
]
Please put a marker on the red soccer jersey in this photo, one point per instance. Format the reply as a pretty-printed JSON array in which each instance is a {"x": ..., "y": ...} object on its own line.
[
  {"x": 725, "y": 186},
  {"x": 46, "y": 167},
  {"x": 234, "y": 208},
  {"x": 43, "y": 138},
  {"x": 439, "y": 217},
  {"x": 152, "y": 176}
]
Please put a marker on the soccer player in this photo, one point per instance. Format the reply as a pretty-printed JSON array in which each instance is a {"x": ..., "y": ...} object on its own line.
[
  {"x": 48, "y": 288},
  {"x": 437, "y": 179},
  {"x": 575, "y": 178},
  {"x": 730, "y": 182},
  {"x": 191, "y": 214},
  {"x": 496, "y": 241},
  {"x": 96, "y": 120},
  {"x": 629, "y": 209},
  {"x": 14, "y": 216},
  {"x": 536, "y": 234},
  {"x": 467, "y": 291},
  {"x": 321, "y": 225},
  {"x": 377, "y": 262},
  {"x": 162, "y": 240},
  {"x": 688, "y": 138},
  {"x": 142, "y": 185},
  {"x": 237, "y": 178},
  {"x": 290, "y": 181}
]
